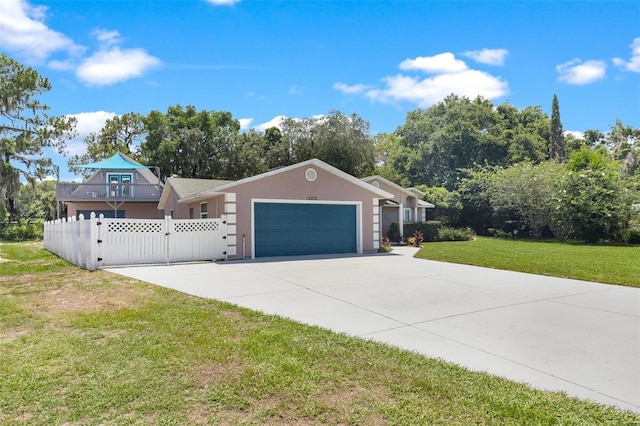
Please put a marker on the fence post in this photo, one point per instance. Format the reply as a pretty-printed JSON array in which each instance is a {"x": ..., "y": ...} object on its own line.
[
  {"x": 92, "y": 263},
  {"x": 167, "y": 236}
]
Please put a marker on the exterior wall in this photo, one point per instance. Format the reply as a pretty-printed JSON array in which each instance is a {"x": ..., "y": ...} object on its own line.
[
  {"x": 132, "y": 209},
  {"x": 292, "y": 185},
  {"x": 409, "y": 201},
  {"x": 389, "y": 216},
  {"x": 180, "y": 210},
  {"x": 215, "y": 208},
  {"x": 136, "y": 176}
]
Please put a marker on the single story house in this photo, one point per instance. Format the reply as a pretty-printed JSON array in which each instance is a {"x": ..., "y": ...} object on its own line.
[
  {"x": 405, "y": 206},
  {"x": 119, "y": 187},
  {"x": 306, "y": 208}
]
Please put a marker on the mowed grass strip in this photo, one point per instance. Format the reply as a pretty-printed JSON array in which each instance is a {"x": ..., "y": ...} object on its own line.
[
  {"x": 84, "y": 348},
  {"x": 609, "y": 264}
]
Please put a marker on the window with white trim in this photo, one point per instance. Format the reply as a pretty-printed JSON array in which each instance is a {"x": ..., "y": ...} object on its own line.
[
  {"x": 203, "y": 211},
  {"x": 120, "y": 185}
]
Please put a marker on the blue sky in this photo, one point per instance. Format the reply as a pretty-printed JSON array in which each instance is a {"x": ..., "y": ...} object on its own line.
[{"x": 264, "y": 59}]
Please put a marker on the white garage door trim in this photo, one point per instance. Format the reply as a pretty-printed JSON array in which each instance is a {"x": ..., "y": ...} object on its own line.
[{"x": 357, "y": 204}]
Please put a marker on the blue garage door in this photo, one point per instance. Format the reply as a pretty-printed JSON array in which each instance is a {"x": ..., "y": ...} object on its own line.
[{"x": 283, "y": 229}]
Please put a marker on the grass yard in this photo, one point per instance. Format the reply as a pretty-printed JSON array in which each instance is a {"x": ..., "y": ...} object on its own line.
[
  {"x": 601, "y": 263},
  {"x": 83, "y": 348}
]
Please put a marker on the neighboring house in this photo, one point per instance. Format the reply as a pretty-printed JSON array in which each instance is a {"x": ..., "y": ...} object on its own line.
[
  {"x": 120, "y": 187},
  {"x": 405, "y": 206},
  {"x": 182, "y": 188},
  {"x": 307, "y": 208}
]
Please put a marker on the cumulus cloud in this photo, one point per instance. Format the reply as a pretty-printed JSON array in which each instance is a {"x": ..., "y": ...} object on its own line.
[
  {"x": 575, "y": 133},
  {"x": 447, "y": 75},
  {"x": 633, "y": 64},
  {"x": 115, "y": 65},
  {"x": 274, "y": 122},
  {"x": 107, "y": 38},
  {"x": 245, "y": 123},
  {"x": 443, "y": 63},
  {"x": 428, "y": 91},
  {"x": 86, "y": 123},
  {"x": 23, "y": 31},
  {"x": 488, "y": 56},
  {"x": 581, "y": 73},
  {"x": 350, "y": 90}
]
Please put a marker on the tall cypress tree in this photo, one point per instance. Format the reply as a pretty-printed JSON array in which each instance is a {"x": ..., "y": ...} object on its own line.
[{"x": 556, "y": 139}]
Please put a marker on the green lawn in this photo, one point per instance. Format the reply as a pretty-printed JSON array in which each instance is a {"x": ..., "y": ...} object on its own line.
[
  {"x": 82, "y": 348},
  {"x": 602, "y": 263}
]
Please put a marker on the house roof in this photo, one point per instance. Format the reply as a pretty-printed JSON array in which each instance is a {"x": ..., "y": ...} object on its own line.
[
  {"x": 117, "y": 161},
  {"x": 421, "y": 204},
  {"x": 387, "y": 182},
  {"x": 313, "y": 162},
  {"x": 187, "y": 187}
]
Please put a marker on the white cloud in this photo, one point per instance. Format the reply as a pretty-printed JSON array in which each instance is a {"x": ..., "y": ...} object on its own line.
[
  {"x": 107, "y": 38},
  {"x": 428, "y": 91},
  {"x": 274, "y": 122},
  {"x": 581, "y": 73},
  {"x": 87, "y": 122},
  {"x": 22, "y": 30},
  {"x": 634, "y": 62},
  {"x": 437, "y": 64},
  {"x": 223, "y": 2},
  {"x": 450, "y": 75},
  {"x": 111, "y": 64},
  {"x": 245, "y": 123},
  {"x": 575, "y": 133},
  {"x": 350, "y": 90},
  {"x": 488, "y": 56},
  {"x": 115, "y": 65}
]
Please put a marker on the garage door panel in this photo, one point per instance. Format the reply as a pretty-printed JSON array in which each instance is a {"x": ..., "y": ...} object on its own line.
[{"x": 283, "y": 229}]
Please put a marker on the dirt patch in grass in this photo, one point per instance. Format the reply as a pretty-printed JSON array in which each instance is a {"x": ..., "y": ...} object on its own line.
[
  {"x": 73, "y": 298},
  {"x": 75, "y": 291}
]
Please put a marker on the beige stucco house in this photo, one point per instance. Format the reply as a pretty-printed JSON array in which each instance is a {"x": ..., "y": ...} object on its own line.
[
  {"x": 405, "y": 206},
  {"x": 307, "y": 208}
]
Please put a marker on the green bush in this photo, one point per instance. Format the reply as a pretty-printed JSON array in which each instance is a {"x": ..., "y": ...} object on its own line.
[
  {"x": 446, "y": 233},
  {"x": 32, "y": 230},
  {"x": 429, "y": 229},
  {"x": 630, "y": 236}
]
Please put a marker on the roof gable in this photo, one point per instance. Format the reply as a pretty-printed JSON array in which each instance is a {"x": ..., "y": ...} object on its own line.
[
  {"x": 187, "y": 187},
  {"x": 387, "y": 182},
  {"x": 313, "y": 162}
]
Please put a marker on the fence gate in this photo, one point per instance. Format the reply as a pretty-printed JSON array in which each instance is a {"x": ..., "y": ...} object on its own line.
[{"x": 140, "y": 241}]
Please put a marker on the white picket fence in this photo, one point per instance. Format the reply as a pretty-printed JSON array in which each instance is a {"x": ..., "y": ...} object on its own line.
[{"x": 98, "y": 242}]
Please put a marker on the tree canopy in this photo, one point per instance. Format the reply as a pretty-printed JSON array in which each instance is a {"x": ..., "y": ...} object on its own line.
[{"x": 26, "y": 129}]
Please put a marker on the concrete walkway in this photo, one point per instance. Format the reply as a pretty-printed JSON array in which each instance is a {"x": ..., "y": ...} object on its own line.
[{"x": 557, "y": 334}]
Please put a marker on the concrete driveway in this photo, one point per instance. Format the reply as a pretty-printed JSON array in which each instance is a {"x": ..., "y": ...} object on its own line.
[{"x": 557, "y": 334}]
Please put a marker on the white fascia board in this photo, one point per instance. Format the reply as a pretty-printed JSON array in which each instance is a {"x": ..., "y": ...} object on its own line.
[{"x": 164, "y": 197}]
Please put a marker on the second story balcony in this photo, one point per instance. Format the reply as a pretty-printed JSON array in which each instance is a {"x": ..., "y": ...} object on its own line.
[{"x": 87, "y": 192}]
